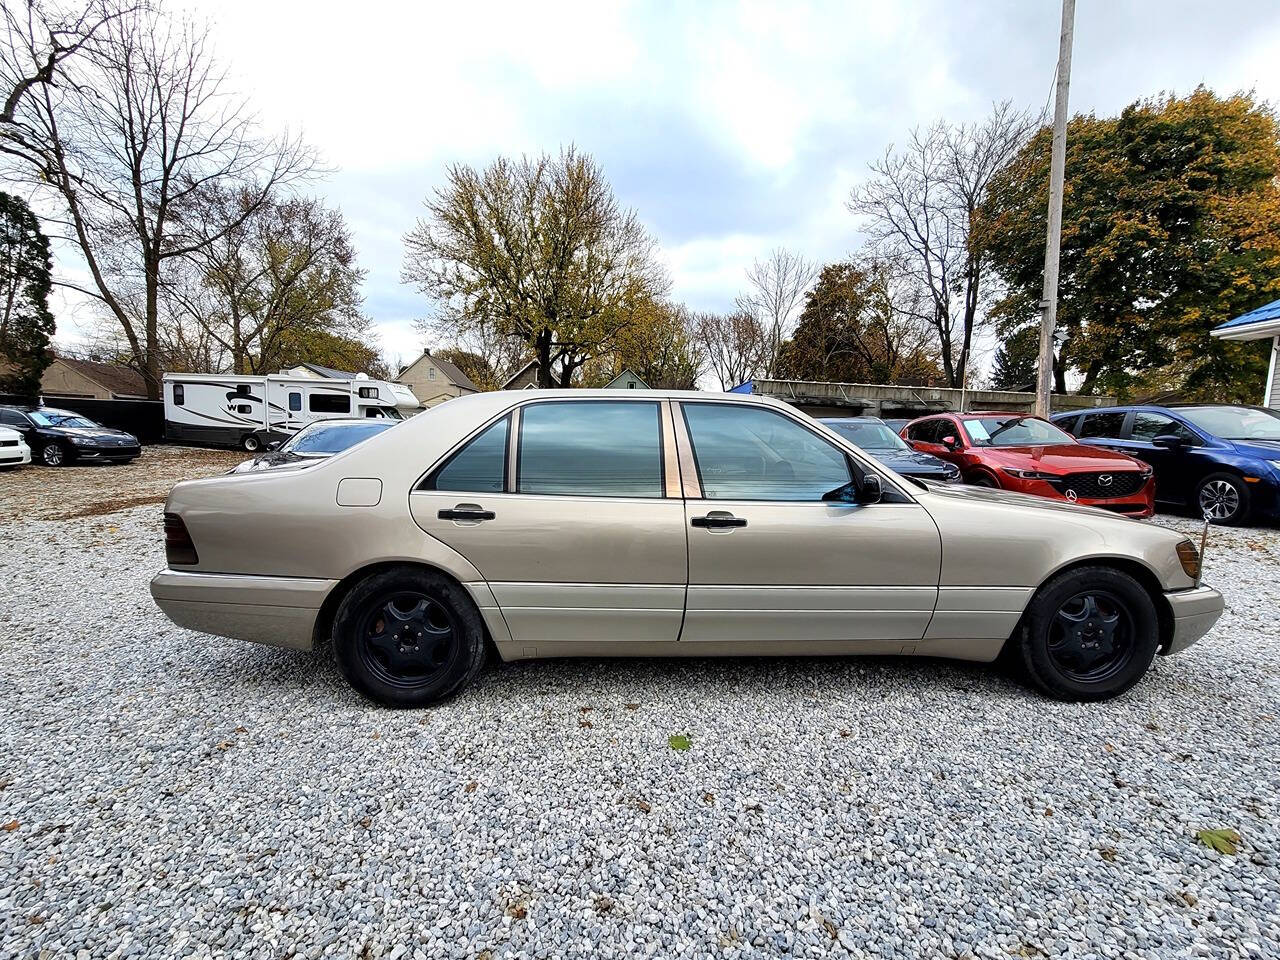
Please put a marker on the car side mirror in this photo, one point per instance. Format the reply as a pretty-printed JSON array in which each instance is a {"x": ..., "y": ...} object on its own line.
[
  {"x": 1167, "y": 440},
  {"x": 273, "y": 444},
  {"x": 950, "y": 442},
  {"x": 871, "y": 490}
]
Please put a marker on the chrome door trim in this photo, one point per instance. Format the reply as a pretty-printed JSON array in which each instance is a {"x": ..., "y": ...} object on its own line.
[
  {"x": 690, "y": 484},
  {"x": 513, "y": 448},
  {"x": 671, "y": 469}
]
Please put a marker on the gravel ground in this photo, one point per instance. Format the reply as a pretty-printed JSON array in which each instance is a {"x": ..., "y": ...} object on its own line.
[{"x": 165, "y": 793}]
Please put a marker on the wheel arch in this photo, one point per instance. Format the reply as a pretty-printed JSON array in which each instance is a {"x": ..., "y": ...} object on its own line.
[{"x": 322, "y": 631}]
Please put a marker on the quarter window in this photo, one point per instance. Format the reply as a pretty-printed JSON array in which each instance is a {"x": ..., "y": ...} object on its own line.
[
  {"x": 479, "y": 467},
  {"x": 1148, "y": 426},
  {"x": 1101, "y": 425},
  {"x": 329, "y": 403},
  {"x": 745, "y": 453},
  {"x": 594, "y": 448}
]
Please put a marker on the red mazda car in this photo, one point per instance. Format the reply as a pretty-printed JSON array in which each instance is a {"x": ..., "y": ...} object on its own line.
[{"x": 1029, "y": 455}]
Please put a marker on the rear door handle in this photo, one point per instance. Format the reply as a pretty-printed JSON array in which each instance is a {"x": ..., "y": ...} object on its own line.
[
  {"x": 461, "y": 512},
  {"x": 717, "y": 520}
]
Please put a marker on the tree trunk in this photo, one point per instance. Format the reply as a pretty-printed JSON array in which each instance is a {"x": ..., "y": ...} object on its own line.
[{"x": 542, "y": 350}]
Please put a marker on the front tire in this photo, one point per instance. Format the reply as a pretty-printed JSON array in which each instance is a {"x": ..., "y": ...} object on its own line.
[
  {"x": 982, "y": 480},
  {"x": 1224, "y": 498},
  {"x": 54, "y": 454},
  {"x": 1088, "y": 634},
  {"x": 408, "y": 638}
]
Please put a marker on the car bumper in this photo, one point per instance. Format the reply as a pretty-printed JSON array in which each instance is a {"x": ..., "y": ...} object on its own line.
[
  {"x": 90, "y": 454},
  {"x": 15, "y": 456},
  {"x": 278, "y": 611},
  {"x": 1194, "y": 613}
]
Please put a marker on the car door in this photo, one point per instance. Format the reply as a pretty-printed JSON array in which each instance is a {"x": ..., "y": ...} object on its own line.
[
  {"x": 771, "y": 562},
  {"x": 571, "y": 511},
  {"x": 1176, "y": 475},
  {"x": 1104, "y": 429}
]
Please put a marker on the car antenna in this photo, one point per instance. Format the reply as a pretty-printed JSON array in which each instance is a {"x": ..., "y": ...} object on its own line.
[{"x": 1204, "y": 540}]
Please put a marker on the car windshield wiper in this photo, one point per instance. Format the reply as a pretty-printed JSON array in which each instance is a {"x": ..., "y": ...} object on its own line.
[{"x": 1003, "y": 427}]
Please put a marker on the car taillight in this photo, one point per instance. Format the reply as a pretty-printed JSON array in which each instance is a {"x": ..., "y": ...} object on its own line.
[{"x": 178, "y": 546}]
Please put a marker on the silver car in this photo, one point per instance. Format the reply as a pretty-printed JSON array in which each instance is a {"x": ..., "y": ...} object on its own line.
[{"x": 585, "y": 523}]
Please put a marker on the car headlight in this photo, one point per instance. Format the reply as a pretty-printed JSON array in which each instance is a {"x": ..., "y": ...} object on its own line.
[
  {"x": 84, "y": 442},
  {"x": 1146, "y": 470},
  {"x": 1189, "y": 557},
  {"x": 1029, "y": 474}
]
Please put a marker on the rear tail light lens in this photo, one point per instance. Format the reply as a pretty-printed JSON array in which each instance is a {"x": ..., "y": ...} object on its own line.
[
  {"x": 178, "y": 546},
  {"x": 1189, "y": 557}
]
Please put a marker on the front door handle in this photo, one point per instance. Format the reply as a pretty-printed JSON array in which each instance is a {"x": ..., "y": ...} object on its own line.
[
  {"x": 466, "y": 512},
  {"x": 714, "y": 521}
]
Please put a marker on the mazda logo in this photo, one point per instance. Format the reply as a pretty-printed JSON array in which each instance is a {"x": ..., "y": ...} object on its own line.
[{"x": 1104, "y": 480}]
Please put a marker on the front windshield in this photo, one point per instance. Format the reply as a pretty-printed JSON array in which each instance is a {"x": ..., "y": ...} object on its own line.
[
  {"x": 869, "y": 435},
  {"x": 334, "y": 437},
  {"x": 59, "y": 418},
  {"x": 1235, "y": 423},
  {"x": 1014, "y": 431}
]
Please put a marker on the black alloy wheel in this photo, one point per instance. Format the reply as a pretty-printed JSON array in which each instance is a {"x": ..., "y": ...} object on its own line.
[
  {"x": 408, "y": 637},
  {"x": 1088, "y": 634}
]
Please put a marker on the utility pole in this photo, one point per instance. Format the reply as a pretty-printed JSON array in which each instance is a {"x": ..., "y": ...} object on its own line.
[{"x": 1057, "y": 168}]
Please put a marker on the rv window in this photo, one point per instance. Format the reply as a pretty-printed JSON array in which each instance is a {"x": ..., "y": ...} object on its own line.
[
  {"x": 179, "y": 395},
  {"x": 243, "y": 408},
  {"x": 242, "y": 389},
  {"x": 369, "y": 393},
  {"x": 329, "y": 403},
  {"x": 295, "y": 401}
]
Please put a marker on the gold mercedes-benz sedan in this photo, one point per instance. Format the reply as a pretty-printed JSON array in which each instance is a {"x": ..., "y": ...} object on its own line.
[{"x": 662, "y": 523}]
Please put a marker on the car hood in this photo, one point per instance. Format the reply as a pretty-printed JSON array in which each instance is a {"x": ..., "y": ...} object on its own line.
[
  {"x": 912, "y": 462},
  {"x": 7, "y": 434},
  {"x": 89, "y": 433},
  {"x": 1263, "y": 449},
  {"x": 1059, "y": 458}
]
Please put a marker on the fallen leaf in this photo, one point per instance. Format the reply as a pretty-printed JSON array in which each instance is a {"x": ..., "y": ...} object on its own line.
[
  {"x": 242, "y": 730},
  {"x": 224, "y": 745},
  {"x": 632, "y": 706},
  {"x": 1048, "y": 811},
  {"x": 1109, "y": 854},
  {"x": 845, "y": 733},
  {"x": 470, "y": 787},
  {"x": 377, "y": 735},
  {"x": 1109, "y": 748},
  {"x": 518, "y": 911},
  {"x": 585, "y": 709},
  {"x": 643, "y": 806},
  {"x": 1224, "y": 840},
  {"x": 586, "y": 724},
  {"x": 679, "y": 741},
  {"x": 366, "y": 822},
  {"x": 12, "y": 825},
  {"x": 708, "y": 797}
]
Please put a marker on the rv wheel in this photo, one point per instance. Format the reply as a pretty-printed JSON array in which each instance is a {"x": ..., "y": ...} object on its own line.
[{"x": 251, "y": 442}]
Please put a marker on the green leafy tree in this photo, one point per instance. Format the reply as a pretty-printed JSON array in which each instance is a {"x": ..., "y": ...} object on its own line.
[
  {"x": 26, "y": 325},
  {"x": 1171, "y": 225},
  {"x": 537, "y": 251},
  {"x": 856, "y": 327},
  {"x": 477, "y": 368},
  {"x": 1017, "y": 360}
]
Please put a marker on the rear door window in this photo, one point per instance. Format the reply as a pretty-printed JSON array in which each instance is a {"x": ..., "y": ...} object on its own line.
[
  {"x": 1108, "y": 425},
  {"x": 479, "y": 467},
  {"x": 590, "y": 448},
  {"x": 1148, "y": 426}
]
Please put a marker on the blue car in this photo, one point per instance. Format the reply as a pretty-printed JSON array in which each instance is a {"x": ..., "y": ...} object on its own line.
[
  {"x": 876, "y": 438},
  {"x": 1219, "y": 460}
]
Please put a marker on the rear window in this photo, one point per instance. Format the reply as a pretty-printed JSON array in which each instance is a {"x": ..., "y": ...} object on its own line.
[
  {"x": 333, "y": 438},
  {"x": 1101, "y": 425}
]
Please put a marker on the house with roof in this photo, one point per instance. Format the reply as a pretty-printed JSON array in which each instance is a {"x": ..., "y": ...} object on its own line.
[
  {"x": 315, "y": 371},
  {"x": 1260, "y": 324},
  {"x": 68, "y": 379},
  {"x": 434, "y": 380},
  {"x": 626, "y": 380},
  {"x": 526, "y": 378}
]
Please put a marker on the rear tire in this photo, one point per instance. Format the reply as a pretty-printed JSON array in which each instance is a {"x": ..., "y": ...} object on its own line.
[
  {"x": 251, "y": 442},
  {"x": 1088, "y": 634},
  {"x": 1225, "y": 497},
  {"x": 408, "y": 637}
]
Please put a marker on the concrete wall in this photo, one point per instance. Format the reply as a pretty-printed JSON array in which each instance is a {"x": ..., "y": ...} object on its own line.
[{"x": 885, "y": 400}]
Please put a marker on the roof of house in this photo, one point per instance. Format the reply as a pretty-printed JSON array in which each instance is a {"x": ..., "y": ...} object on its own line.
[
  {"x": 627, "y": 372},
  {"x": 112, "y": 377},
  {"x": 531, "y": 365},
  {"x": 450, "y": 371},
  {"x": 1268, "y": 313}
]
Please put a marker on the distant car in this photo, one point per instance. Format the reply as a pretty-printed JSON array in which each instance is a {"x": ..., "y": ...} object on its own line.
[
  {"x": 896, "y": 423},
  {"x": 315, "y": 442},
  {"x": 1029, "y": 455},
  {"x": 1218, "y": 459},
  {"x": 61, "y": 437},
  {"x": 875, "y": 437},
  {"x": 13, "y": 449}
]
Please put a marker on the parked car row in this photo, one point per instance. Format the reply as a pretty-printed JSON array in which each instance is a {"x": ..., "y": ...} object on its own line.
[{"x": 58, "y": 438}]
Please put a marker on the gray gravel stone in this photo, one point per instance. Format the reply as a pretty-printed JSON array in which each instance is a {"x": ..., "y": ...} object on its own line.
[{"x": 179, "y": 795}]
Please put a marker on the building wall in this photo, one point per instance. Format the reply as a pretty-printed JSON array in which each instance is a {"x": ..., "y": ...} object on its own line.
[
  {"x": 428, "y": 382},
  {"x": 60, "y": 380},
  {"x": 1272, "y": 398},
  {"x": 886, "y": 400}
]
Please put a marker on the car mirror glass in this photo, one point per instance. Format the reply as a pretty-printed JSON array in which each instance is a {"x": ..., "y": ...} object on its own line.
[{"x": 845, "y": 493}]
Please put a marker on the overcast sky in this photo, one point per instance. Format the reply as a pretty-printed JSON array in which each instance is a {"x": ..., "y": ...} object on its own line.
[{"x": 731, "y": 128}]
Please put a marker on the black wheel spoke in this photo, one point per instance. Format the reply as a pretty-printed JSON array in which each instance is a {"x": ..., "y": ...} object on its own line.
[
  {"x": 1091, "y": 636},
  {"x": 409, "y": 639}
]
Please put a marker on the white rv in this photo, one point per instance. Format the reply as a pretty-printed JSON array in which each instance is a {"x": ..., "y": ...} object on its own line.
[{"x": 250, "y": 412}]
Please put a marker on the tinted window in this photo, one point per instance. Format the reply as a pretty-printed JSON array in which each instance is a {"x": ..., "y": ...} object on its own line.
[
  {"x": 1101, "y": 425},
  {"x": 332, "y": 437},
  {"x": 480, "y": 466},
  {"x": 1148, "y": 426},
  {"x": 1068, "y": 424},
  {"x": 1013, "y": 431},
  {"x": 242, "y": 390},
  {"x": 329, "y": 403},
  {"x": 746, "y": 453},
  {"x": 925, "y": 431},
  {"x": 590, "y": 448},
  {"x": 13, "y": 418},
  {"x": 179, "y": 395},
  {"x": 295, "y": 401}
]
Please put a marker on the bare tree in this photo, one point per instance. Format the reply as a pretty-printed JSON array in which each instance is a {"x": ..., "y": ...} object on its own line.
[
  {"x": 734, "y": 345},
  {"x": 535, "y": 250},
  {"x": 776, "y": 289},
  {"x": 919, "y": 208},
  {"x": 127, "y": 144}
]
